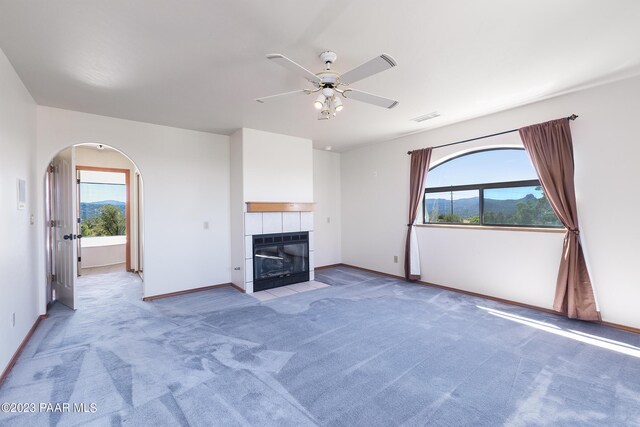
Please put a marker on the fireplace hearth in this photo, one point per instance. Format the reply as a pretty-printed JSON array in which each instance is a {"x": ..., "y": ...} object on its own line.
[{"x": 280, "y": 259}]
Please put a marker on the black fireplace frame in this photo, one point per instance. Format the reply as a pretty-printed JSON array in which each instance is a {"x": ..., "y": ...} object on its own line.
[{"x": 280, "y": 239}]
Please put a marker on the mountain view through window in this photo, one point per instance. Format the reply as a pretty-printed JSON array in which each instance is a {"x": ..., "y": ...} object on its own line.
[{"x": 490, "y": 187}]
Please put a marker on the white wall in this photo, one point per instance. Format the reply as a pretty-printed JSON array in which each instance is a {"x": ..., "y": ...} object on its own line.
[
  {"x": 107, "y": 158},
  {"x": 186, "y": 183},
  {"x": 100, "y": 256},
  {"x": 277, "y": 168},
  {"x": 327, "y": 215},
  {"x": 103, "y": 250},
  {"x": 607, "y": 146},
  {"x": 237, "y": 210},
  {"x": 18, "y": 287}
]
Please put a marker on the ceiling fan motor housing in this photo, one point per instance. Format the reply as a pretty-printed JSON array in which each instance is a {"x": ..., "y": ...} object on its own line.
[
  {"x": 328, "y": 57},
  {"x": 328, "y": 78}
]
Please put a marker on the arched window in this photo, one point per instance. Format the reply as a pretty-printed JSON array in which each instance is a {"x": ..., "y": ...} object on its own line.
[{"x": 496, "y": 187}]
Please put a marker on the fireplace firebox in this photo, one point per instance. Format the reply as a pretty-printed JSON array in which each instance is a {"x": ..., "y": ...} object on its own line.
[{"x": 280, "y": 259}]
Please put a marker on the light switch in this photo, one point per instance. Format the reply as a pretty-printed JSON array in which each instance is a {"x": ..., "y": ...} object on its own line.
[{"x": 206, "y": 225}]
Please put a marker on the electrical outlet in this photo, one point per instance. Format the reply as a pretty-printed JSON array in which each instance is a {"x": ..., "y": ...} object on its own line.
[
  {"x": 395, "y": 259},
  {"x": 328, "y": 220},
  {"x": 206, "y": 225},
  {"x": 13, "y": 320}
]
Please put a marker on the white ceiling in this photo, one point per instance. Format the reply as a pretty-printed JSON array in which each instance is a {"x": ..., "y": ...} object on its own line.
[{"x": 199, "y": 64}]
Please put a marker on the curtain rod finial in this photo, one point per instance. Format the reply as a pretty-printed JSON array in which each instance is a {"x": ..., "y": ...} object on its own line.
[{"x": 572, "y": 117}]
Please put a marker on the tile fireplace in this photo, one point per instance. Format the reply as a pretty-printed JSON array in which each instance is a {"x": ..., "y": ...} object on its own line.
[{"x": 273, "y": 234}]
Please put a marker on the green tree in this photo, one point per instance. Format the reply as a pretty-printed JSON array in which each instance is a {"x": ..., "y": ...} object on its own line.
[
  {"x": 110, "y": 221},
  {"x": 491, "y": 217},
  {"x": 449, "y": 218},
  {"x": 87, "y": 227},
  {"x": 526, "y": 213},
  {"x": 535, "y": 211}
]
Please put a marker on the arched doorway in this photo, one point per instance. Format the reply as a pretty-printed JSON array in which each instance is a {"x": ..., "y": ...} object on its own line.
[{"x": 94, "y": 222}]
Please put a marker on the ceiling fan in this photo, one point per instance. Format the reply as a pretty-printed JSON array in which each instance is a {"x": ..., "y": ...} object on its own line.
[{"x": 331, "y": 84}]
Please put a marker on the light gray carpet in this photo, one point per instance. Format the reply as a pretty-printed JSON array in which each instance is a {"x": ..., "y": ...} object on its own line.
[{"x": 369, "y": 350}]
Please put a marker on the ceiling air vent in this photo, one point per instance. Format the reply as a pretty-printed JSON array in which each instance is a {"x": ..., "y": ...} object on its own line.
[{"x": 426, "y": 117}]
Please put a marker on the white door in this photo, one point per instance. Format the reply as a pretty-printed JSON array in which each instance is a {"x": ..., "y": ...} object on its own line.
[{"x": 64, "y": 215}]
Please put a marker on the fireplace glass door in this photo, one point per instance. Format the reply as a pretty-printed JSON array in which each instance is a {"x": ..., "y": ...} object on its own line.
[{"x": 280, "y": 260}]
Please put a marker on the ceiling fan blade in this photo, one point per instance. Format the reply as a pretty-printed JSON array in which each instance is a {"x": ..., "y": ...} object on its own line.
[
  {"x": 369, "y": 98},
  {"x": 283, "y": 95},
  {"x": 374, "y": 66},
  {"x": 292, "y": 66}
]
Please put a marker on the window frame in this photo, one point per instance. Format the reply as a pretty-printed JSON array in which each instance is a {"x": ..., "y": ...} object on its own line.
[{"x": 481, "y": 187}]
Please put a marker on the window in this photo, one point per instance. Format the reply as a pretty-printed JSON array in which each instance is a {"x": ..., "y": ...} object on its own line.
[
  {"x": 102, "y": 203},
  {"x": 496, "y": 187}
]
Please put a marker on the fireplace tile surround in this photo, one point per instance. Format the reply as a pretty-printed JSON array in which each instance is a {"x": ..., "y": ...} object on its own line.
[
  {"x": 291, "y": 222},
  {"x": 256, "y": 223}
]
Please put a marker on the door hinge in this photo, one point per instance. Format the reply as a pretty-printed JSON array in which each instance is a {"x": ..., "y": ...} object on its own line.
[
  {"x": 53, "y": 278},
  {"x": 78, "y": 180},
  {"x": 52, "y": 223},
  {"x": 79, "y": 259},
  {"x": 79, "y": 220}
]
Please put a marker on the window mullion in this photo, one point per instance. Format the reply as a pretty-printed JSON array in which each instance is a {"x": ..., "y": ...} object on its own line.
[
  {"x": 424, "y": 207},
  {"x": 481, "y": 204}
]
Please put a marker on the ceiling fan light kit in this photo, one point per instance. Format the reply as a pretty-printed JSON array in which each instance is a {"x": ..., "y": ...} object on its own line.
[
  {"x": 320, "y": 101},
  {"x": 337, "y": 104},
  {"x": 329, "y": 83}
]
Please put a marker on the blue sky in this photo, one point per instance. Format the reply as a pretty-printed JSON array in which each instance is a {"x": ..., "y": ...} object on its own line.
[
  {"x": 90, "y": 192},
  {"x": 512, "y": 193},
  {"x": 483, "y": 167}
]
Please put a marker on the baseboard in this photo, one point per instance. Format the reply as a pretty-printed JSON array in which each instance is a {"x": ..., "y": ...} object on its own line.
[
  {"x": 190, "y": 291},
  {"x": 489, "y": 297},
  {"x": 237, "y": 288},
  {"x": 26, "y": 339},
  {"x": 106, "y": 265},
  {"x": 492, "y": 298},
  {"x": 618, "y": 326},
  {"x": 393, "y": 276},
  {"x": 323, "y": 267}
]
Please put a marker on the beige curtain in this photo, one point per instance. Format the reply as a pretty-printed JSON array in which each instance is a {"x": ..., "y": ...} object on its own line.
[
  {"x": 419, "y": 167},
  {"x": 551, "y": 150}
]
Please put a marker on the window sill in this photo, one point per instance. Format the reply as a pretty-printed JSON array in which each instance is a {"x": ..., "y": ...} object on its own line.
[
  {"x": 100, "y": 241},
  {"x": 494, "y": 227}
]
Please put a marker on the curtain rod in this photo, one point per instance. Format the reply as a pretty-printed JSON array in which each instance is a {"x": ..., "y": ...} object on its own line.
[{"x": 571, "y": 117}]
